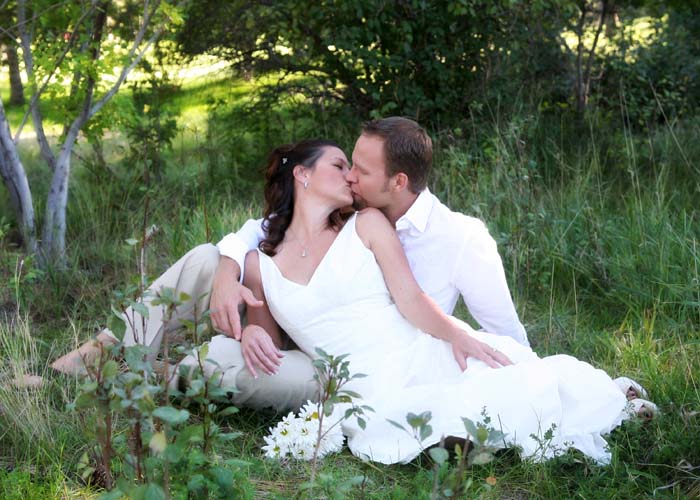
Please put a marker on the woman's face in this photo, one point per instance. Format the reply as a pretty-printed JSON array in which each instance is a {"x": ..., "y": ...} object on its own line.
[{"x": 327, "y": 178}]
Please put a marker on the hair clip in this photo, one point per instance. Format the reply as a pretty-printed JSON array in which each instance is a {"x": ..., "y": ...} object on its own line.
[{"x": 284, "y": 160}]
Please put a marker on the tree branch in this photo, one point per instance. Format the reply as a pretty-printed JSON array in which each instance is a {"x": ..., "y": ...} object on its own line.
[
  {"x": 26, "y": 42},
  {"x": 134, "y": 53},
  {"x": 591, "y": 52},
  {"x": 37, "y": 95}
]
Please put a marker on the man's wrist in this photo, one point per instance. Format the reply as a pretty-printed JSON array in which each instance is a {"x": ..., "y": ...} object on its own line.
[{"x": 230, "y": 267}]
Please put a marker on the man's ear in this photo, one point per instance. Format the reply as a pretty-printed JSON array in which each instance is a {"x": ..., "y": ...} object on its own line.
[{"x": 399, "y": 182}]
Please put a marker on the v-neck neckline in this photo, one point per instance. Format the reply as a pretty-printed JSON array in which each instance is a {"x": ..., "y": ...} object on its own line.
[{"x": 321, "y": 262}]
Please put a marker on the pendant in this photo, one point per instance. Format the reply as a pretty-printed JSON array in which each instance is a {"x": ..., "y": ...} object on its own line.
[{"x": 303, "y": 252}]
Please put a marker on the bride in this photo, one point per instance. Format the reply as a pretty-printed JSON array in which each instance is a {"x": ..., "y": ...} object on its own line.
[{"x": 339, "y": 280}]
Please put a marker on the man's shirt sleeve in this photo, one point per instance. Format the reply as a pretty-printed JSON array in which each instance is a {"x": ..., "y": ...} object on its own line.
[
  {"x": 481, "y": 279},
  {"x": 236, "y": 245}
]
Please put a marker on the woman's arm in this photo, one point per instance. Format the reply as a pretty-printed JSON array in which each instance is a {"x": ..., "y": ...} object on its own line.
[
  {"x": 380, "y": 237},
  {"x": 262, "y": 338}
]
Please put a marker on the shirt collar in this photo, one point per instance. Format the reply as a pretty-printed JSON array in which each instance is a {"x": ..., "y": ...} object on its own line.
[{"x": 417, "y": 214}]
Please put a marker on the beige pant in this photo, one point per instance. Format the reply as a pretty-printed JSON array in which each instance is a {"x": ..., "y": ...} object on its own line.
[{"x": 193, "y": 274}]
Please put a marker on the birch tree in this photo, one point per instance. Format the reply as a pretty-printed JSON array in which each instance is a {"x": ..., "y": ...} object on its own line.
[{"x": 77, "y": 50}]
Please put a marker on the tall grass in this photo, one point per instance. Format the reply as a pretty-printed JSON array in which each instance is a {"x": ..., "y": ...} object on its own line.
[
  {"x": 597, "y": 227},
  {"x": 36, "y": 433}
]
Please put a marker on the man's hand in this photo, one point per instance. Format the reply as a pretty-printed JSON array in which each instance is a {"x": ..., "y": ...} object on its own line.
[
  {"x": 260, "y": 351},
  {"x": 227, "y": 293},
  {"x": 465, "y": 346}
]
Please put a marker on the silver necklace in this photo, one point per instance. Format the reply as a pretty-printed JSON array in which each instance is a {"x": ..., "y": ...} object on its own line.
[{"x": 304, "y": 251}]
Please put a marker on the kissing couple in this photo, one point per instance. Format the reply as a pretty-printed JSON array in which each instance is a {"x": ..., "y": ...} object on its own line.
[{"x": 378, "y": 284}]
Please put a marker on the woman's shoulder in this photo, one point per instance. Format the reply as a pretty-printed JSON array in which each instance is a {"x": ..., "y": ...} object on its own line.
[
  {"x": 370, "y": 223},
  {"x": 372, "y": 216}
]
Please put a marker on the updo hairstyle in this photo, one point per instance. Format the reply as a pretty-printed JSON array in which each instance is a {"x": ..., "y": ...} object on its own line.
[{"x": 279, "y": 189}]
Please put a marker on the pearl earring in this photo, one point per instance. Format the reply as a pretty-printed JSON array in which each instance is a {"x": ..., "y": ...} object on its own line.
[{"x": 306, "y": 184}]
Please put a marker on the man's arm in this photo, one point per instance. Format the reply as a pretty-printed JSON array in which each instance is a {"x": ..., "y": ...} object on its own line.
[
  {"x": 481, "y": 279},
  {"x": 237, "y": 245},
  {"x": 228, "y": 294}
]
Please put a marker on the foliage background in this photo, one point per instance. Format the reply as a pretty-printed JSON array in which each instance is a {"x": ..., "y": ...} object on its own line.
[{"x": 594, "y": 209}]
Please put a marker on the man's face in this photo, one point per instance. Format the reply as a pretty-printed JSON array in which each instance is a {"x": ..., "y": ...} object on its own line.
[{"x": 367, "y": 177}]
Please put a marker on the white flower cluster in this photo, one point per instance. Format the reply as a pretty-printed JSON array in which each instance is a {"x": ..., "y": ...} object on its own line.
[{"x": 296, "y": 436}]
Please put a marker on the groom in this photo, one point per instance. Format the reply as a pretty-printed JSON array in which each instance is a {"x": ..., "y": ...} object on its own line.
[{"x": 450, "y": 255}]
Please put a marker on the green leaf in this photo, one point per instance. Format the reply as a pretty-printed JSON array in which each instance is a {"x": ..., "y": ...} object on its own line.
[
  {"x": 439, "y": 454},
  {"x": 132, "y": 242},
  {"x": 480, "y": 457},
  {"x": 175, "y": 451},
  {"x": 137, "y": 493},
  {"x": 416, "y": 421},
  {"x": 229, "y": 436},
  {"x": 237, "y": 462},
  {"x": 140, "y": 308},
  {"x": 470, "y": 427},
  {"x": 482, "y": 434},
  {"x": 85, "y": 400},
  {"x": 203, "y": 351},
  {"x": 171, "y": 12},
  {"x": 89, "y": 386},
  {"x": 171, "y": 415},
  {"x": 115, "y": 494},
  {"x": 229, "y": 410},
  {"x": 196, "y": 482},
  {"x": 222, "y": 477},
  {"x": 110, "y": 369},
  {"x": 154, "y": 492},
  {"x": 195, "y": 387},
  {"x": 116, "y": 324},
  {"x": 397, "y": 425},
  {"x": 86, "y": 473},
  {"x": 496, "y": 436}
]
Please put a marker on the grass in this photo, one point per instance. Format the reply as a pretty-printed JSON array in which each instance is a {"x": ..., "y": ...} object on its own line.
[{"x": 600, "y": 242}]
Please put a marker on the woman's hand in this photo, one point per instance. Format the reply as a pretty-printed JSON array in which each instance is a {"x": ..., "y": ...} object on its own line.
[
  {"x": 259, "y": 351},
  {"x": 465, "y": 346}
]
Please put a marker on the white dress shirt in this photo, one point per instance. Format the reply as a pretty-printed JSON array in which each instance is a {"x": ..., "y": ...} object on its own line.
[{"x": 449, "y": 253}]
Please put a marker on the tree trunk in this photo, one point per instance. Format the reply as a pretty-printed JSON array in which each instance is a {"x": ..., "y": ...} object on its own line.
[
  {"x": 579, "y": 90},
  {"x": 15, "y": 178},
  {"x": 583, "y": 75},
  {"x": 16, "y": 87},
  {"x": 53, "y": 242}
]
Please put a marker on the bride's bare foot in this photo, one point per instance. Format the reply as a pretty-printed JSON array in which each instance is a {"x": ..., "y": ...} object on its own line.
[
  {"x": 28, "y": 382},
  {"x": 643, "y": 409},
  {"x": 74, "y": 362},
  {"x": 631, "y": 388}
]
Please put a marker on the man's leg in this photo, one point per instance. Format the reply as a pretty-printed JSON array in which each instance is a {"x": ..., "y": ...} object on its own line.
[
  {"x": 289, "y": 389},
  {"x": 192, "y": 274}
]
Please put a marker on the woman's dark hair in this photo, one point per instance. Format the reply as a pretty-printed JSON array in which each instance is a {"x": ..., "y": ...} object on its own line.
[{"x": 279, "y": 189}]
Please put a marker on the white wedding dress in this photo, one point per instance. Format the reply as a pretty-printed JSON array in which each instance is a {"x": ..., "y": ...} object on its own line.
[{"x": 347, "y": 309}]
